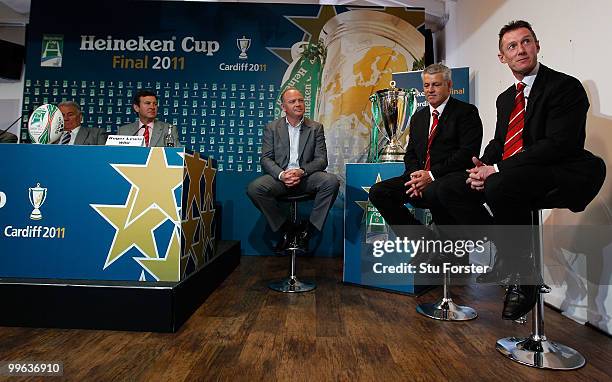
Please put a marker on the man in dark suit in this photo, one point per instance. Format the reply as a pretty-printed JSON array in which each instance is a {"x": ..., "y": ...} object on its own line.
[
  {"x": 74, "y": 133},
  {"x": 294, "y": 158},
  {"x": 147, "y": 125},
  {"x": 538, "y": 148},
  {"x": 443, "y": 138}
]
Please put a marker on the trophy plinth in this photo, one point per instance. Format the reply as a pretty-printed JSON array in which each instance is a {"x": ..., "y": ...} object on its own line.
[{"x": 393, "y": 152}]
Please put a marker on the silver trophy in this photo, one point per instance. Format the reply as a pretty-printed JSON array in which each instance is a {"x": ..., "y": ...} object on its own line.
[
  {"x": 391, "y": 111},
  {"x": 37, "y": 196},
  {"x": 243, "y": 44}
]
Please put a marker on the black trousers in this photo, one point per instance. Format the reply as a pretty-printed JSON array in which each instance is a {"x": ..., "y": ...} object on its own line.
[
  {"x": 511, "y": 195},
  {"x": 389, "y": 197}
]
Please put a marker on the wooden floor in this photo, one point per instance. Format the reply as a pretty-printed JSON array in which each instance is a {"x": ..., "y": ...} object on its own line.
[{"x": 244, "y": 331}]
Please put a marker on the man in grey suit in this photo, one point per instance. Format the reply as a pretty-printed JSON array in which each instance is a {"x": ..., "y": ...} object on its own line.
[
  {"x": 147, "y": 125},
  {"x": 294, "y": 157},
  {"x": 74, "y": 133}
]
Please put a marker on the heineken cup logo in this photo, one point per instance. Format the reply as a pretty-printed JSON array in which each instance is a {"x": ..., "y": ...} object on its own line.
[
  {"x": 52, "y": 50},
  {"x": 243, "y": 44},
  {"x": 37, "y": 196}
]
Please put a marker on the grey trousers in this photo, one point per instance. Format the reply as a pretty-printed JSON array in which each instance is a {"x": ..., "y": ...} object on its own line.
[{"x": 265, "y": 190}]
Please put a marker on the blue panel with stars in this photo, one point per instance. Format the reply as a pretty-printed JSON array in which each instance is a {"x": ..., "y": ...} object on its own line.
[
  {"x": 359, "y": 256},
  {"x": 91, "y": 212}
]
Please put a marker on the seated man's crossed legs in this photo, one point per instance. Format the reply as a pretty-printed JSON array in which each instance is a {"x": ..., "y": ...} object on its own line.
[{"x": 265, "y": 191}]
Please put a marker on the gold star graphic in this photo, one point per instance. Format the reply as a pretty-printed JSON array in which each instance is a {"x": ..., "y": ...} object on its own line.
[
  {"x": 168, "y": 268},
  {"x": 199, "y": 248},
  {"x": 184, "y": 261},
  {"x": 155, "y": 183},
  {"x": 209, "y": 177},
  {"x": 195, "y": 168},
  {"x": 189, "y": 227},
  {"x": 364, "y": 203},
  {"x": 139, "y": 234},
  {"x": 414, "y": 16},
  {"x": 310, "y": 25}
]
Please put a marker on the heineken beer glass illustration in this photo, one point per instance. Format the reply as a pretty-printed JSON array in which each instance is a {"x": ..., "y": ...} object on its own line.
[{"x": 363, "y": 50}]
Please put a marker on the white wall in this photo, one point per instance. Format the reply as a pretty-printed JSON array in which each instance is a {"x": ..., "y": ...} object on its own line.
[
  {"x": 11, "y": 91},
  {"x": 574, "y": 37}
]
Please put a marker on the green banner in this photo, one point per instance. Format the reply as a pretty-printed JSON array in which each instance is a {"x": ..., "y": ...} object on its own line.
[{"x": 306, "y": 77}]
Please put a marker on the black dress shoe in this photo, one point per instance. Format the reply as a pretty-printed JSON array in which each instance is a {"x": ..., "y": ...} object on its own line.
[
  {"x": 519, "y": 300},
  {"x": 302, "y": 239},
  {"x": 283, "y": 244},
  {"x": 500, "y": 273}
]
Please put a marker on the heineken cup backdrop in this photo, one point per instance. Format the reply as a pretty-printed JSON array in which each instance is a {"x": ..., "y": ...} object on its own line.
[{"x": 217, "y": 69}]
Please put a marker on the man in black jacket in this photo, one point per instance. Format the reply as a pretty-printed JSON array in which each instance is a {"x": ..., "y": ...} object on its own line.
[
  {"x": 444, "y": 136},
  {"x": 538, "y": 148}
]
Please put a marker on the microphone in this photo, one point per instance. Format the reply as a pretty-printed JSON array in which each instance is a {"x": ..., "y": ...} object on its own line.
[
  {"x": 12, "y": 124},
  {"x": 6, "y": 130},
  {"x": 168, "y": 138}
]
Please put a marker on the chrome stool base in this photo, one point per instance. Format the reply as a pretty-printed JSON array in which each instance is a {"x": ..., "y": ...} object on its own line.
[
  {"x": 536, "y": 350},
  {"x": 446, "y": 310},
  {"x": 542, "y": 354},
  {"x": 292, "y": 285}
]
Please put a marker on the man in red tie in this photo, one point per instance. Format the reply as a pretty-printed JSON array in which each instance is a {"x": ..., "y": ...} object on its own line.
[
  {"x": 147, "y": 125},
  {"x": 538, "y": 149},
  {"x": 444, "y": 136}
]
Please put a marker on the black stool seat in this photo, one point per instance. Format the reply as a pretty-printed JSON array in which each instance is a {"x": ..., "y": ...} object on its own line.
[{"x": 297, "y": 197}]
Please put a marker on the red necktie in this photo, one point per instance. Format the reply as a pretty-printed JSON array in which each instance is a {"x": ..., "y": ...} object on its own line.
[
  {"x": 514, "y": 136},
  {"x": 146, "y": 135},
  {"x": 432, "y": 135}
]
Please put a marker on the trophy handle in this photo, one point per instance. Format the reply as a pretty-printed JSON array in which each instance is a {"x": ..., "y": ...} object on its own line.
[
  {"x": 30, "y": 197},
  {"x": 44, "y": 197}
]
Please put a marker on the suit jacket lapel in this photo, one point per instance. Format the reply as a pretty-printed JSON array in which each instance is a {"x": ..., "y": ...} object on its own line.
[
  {"x": 448, "y": 109},
  {"x": 81, "y": 136},
  {"x": 536, "y": 92},
  {"x": 304, "y": 135},
  {"x": 507, "y": 106},
  {"x": 283, "y": 134},
  {"x": 157, "y": 134}
]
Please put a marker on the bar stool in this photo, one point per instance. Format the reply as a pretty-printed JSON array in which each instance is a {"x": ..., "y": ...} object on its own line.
[
  {"x": 445, "y": 309},
  {"x": 537, "y": 350},
  {"x": 291, "y": 284}
]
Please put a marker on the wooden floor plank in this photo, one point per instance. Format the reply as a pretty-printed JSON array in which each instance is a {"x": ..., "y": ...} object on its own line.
[{"x": 245, "y": 331}]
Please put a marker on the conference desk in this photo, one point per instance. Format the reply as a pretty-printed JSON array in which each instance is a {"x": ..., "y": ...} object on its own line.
[{"x": 107, "y": 237}]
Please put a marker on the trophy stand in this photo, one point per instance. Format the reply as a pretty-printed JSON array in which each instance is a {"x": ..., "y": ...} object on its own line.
[{"x": 393, "y": 152}]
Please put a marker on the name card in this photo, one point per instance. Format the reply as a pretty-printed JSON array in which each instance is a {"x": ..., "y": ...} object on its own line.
[{"x": 125, "y": 140}]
